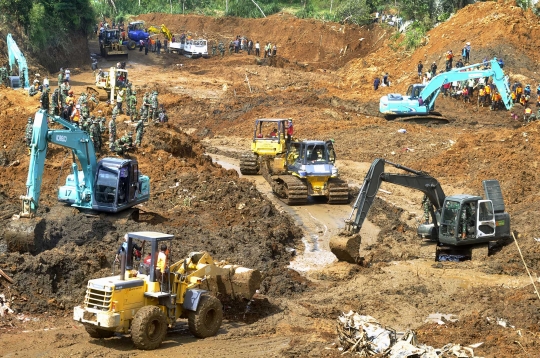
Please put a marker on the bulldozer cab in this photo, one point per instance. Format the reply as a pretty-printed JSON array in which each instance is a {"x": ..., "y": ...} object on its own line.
[
  {"x": 269, "y": 137},
  {"x": 316, "y": 152},
  {"x": 111, "y": 36}
]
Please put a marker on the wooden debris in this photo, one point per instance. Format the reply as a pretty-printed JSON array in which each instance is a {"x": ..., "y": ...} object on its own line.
[{"x": 4, "y": 275}]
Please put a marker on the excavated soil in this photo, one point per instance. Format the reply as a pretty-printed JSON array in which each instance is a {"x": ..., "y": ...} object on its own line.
[{"x": 328, "y": 92}]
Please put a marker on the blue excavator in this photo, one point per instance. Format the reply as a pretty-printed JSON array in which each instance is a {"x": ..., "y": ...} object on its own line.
[
  {"x": 109, "y": 185},
  {"x": 16, "y": 57},
  {"x": 420, "y": 99}
]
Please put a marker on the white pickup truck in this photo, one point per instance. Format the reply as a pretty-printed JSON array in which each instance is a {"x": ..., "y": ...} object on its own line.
[{"x": 190, "y": 48}]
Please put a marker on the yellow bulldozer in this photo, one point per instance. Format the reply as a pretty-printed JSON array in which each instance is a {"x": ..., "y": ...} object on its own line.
[
  {"x": 146, "y": 302},
  {"x": 269, "y": 140}
]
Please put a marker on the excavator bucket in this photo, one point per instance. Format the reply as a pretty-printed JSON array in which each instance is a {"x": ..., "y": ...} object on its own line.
[
  {"x": 24, "y": 235},
  {"x": 346, "y": 247}
]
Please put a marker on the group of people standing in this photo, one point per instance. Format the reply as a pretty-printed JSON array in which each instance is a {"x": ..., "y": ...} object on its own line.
[{"x": 245, "y": 44}]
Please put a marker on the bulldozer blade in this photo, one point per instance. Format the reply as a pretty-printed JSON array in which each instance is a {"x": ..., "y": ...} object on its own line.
[
  {"x": 24, "y": 235},
  {"x": 236, "y": 281},
  {"x": 346, "y": 248}
]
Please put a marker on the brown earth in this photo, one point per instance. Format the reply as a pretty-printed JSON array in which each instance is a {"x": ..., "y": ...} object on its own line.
[{"x": 212, "y": 107}]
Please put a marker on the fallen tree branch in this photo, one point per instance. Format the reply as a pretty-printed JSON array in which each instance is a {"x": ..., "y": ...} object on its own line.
[{"x": 4, "y": 275}]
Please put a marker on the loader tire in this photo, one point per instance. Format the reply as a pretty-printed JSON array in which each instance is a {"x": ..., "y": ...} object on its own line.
[
  {"x": 149, "y": 328},
  {"x": 206, "y": 320},
  {"x": 95, "y": 332},
  {"x": 131, "y": 45}
]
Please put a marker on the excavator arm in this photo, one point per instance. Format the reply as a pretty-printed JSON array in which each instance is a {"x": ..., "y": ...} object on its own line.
[
  {"x": 15, "y": 56},
  {"x": 162, "y": 29},
  {"x": 71, "y": 137},
  {"x": 415, "y": 180},
  {"x": 432, "y": 89}
]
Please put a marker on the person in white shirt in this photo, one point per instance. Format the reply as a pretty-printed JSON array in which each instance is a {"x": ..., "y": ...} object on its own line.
[{"x": 257, "y": 49}]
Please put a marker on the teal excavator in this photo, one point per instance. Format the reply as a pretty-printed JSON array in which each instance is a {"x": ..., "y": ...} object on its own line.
[
  {"x": 108, "y": 185},
  {"x": 16, "y": 57},
  {"x": 420, "y": 98}
]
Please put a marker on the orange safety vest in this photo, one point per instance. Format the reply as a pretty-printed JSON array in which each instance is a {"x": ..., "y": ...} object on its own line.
[
  {"x": 488, "y": 89},
  {"x": 519, "y": 90},
  {"x": 528, "y": 111},
  {"x": 481, "y": 92},
  {"x": 76, "y": 115}
]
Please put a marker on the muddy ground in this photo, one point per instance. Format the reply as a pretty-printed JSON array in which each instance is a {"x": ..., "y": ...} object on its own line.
[{"x": 203, "y": 201}]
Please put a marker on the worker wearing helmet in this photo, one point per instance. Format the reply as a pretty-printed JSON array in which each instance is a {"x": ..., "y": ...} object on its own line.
[{"x": 70, "y": 98}]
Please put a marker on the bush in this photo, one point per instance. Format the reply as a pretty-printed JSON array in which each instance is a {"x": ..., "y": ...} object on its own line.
[{"x": 414, "y": 36}]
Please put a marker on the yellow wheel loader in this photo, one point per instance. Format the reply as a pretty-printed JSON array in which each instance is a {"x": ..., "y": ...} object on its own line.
[{"x": 146, "y": 302}]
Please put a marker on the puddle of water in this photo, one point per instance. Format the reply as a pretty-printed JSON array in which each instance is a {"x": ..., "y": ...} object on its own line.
[
  {"x": 313, "y": 257},
  {"x": 223, "y": 163}
]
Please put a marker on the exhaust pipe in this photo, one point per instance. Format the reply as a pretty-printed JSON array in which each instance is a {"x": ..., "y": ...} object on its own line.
[{"x": 122, "y": 266}]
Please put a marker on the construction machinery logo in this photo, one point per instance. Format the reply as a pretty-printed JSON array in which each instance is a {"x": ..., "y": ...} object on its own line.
[{"x": 61, "y": 138}]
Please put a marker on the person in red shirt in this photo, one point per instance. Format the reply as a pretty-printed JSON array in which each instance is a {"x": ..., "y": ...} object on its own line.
[{"x": 290, "y": 131}]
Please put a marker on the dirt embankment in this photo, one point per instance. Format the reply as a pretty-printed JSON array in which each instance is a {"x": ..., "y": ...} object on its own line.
[{"x": 319, "y": 44}]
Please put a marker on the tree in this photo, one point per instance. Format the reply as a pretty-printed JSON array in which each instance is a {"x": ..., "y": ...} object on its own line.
[
  {"x": 17, "y": 10},
  {"x": 354, "y": 11}
]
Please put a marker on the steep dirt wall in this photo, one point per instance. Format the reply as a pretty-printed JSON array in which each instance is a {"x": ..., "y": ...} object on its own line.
[{"x": 329, "y": 44}]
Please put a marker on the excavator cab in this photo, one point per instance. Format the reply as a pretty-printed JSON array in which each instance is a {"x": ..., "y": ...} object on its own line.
[
  {"x": 119, "y": 185},
  {"x": 467, "y": 219}
]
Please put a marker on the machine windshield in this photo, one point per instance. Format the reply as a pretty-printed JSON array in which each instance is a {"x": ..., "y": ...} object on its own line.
[
  {"x": 316, "y": 154},
  {"x": 106, "y": 186}
]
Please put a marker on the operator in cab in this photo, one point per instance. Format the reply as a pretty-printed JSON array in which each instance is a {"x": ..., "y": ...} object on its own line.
[{"x": 123, "y": 248}]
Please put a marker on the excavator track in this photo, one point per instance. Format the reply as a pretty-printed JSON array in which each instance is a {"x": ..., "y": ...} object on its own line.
[
  {"x": 249, "y": 164},
  {"x": 296, "y": 190},
  {"x": 338, "y": 192}
]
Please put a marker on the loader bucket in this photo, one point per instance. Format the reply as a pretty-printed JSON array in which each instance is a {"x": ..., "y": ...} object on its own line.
[
  {"x": 235, "y": 281},
  {"x": 24, "y": 235}
]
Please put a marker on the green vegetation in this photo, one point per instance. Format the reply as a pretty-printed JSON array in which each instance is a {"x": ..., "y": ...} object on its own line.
[{"x": 48, "y": 22}]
